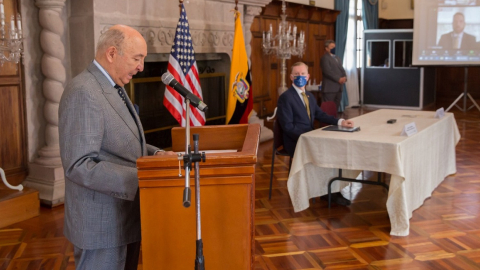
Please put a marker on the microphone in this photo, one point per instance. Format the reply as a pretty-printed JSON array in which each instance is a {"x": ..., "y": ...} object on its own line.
[{"x": 168, "y": 79}]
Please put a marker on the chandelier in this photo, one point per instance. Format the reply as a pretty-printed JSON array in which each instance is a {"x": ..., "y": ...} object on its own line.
[
  {"x": 284, "y": 44},
  {"x": 11, "y": 47}
]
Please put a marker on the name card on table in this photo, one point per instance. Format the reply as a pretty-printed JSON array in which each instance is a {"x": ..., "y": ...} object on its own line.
[
  {"x": 409, "y": 129},
  {"x": 440, "y": 113}
]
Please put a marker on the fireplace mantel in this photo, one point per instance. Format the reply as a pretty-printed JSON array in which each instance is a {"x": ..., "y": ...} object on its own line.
[{"x": 211, "y": 24}]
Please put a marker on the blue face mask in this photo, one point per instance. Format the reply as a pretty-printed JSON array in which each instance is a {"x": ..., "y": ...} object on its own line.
[
  {"x": 332, "y": 51},
  {"x": 300, "y": 81}
]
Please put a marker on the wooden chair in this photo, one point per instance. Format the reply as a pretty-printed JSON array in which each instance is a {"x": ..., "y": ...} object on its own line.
[{"x": 277, "y": 150}]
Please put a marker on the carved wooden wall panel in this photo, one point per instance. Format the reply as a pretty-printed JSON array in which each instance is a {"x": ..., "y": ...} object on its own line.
[{"x": 13, "y": 140}]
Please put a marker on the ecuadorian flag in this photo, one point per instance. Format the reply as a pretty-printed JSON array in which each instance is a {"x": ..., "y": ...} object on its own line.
[{"x": 240, "y": 96}]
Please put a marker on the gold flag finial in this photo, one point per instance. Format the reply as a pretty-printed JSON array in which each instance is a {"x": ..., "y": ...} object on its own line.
[{"x": 180, "y": 3}]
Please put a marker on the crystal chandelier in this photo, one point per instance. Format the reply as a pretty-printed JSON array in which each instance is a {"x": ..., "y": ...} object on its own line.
[
  {"x": 285, "y": 48},
  {"x": 284, "y": 44},
  {"x": 11, "y": 47}
]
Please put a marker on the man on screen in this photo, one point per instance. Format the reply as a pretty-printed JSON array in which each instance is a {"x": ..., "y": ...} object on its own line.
[{"x": 457, "y": 39}]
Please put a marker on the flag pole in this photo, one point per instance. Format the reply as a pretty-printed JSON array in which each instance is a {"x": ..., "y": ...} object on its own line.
[
  {"x": 236, "y": 10},
  {"x": 196, "y": 157}
]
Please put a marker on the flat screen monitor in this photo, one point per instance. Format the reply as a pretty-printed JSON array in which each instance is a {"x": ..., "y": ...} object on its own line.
[{"x": 446, "y": 32}]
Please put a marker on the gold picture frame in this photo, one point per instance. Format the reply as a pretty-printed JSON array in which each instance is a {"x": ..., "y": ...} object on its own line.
[{"x": 412, "y": 4}]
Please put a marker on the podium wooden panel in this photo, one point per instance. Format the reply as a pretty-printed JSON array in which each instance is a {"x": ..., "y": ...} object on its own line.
[{"x": 227, "y": 185}]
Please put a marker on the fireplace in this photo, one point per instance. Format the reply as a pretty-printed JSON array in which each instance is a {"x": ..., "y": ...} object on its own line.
[
  {"x": 211, "y": 25},
  {"x": 146, "y": 90}
]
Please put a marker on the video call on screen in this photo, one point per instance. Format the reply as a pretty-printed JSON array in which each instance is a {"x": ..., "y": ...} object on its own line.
[{"x": 447, "y": 32}]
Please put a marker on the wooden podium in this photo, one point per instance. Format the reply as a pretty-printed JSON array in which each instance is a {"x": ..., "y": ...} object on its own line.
[{"x": 227, "y": 186}]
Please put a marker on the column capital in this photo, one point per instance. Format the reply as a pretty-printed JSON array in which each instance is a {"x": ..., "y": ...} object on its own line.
[{"x": 252, "y": 10}]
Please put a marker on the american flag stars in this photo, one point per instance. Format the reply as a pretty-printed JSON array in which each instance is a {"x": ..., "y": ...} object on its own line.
[
  {"x": 183, "y": 48},
  {"x": 183, "y": 67}
]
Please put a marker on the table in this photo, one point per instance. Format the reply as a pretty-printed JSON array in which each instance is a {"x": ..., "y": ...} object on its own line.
[{"x": 417, "y": 164}]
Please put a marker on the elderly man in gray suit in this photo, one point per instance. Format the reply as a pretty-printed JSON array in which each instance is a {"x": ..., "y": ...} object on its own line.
[
  {"x": 101, "y": 138},
  {"x": 333, "y": 74}
]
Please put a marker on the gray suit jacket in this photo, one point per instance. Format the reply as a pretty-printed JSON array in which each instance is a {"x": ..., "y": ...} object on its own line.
[
  {"x": 332, "y": 71},
  {"x": 100, "y": 142}
]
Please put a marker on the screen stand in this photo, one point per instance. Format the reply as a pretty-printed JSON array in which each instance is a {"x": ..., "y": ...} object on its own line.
[{"x": 465, "y": 94}]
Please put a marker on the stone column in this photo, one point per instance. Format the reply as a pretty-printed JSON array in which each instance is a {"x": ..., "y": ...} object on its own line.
[
  {"x": 46, "y": 172},
  {"x": 250, "y": 13}
]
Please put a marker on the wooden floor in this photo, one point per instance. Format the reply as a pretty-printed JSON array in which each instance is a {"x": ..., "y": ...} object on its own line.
[{"x": 444, "y": 232}]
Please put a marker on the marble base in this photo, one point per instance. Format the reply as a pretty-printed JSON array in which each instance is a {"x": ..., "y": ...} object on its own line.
[{"x": 50, "y": 183}]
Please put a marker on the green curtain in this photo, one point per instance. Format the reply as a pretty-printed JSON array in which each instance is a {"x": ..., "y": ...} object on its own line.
[
  {"x": 370, "y": 14},
  {"x": 341, "y": 29}
]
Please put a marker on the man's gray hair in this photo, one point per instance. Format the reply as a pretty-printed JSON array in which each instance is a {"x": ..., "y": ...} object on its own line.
[
  {"x": 328, "y": 42},
  {"x": 111, "y": 37}
]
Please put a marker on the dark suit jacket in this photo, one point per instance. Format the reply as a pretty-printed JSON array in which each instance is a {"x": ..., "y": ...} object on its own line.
[
  {"x": 468, "y": 41},
  {"x": 332, "y": 71},
  {"x": 293, "y": 118},
  {"x": 100, "y": 142}
]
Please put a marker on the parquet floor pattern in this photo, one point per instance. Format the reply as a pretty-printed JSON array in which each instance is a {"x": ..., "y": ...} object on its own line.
[{"x": 444, "y": 233}]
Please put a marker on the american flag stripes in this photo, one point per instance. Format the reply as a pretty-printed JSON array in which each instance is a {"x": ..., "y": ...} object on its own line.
[{"x": 183, "y": 67}]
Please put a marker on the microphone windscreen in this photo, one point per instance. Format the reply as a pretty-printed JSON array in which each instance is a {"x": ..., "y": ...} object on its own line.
[{"x": 167, "y": 78}]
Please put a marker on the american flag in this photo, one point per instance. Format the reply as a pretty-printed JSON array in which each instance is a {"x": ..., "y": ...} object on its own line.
[{"x": 183, "y": 67}]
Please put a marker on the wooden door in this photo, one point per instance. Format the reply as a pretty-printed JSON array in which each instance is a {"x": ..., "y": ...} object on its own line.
[{"x": 13, "y": 139}]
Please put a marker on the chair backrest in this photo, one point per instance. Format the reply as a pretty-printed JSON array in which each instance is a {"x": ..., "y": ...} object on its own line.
[
  {"x": 329, "y": 107},
  {"x": 277, "y": 135}
]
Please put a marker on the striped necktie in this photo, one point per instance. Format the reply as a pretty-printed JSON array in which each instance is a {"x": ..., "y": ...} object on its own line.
[{"x": 121, "y": 93}]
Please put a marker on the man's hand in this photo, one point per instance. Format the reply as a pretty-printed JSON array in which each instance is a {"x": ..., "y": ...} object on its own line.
[
  {"x": 167, "y": 153},
  {"x": 342, "y": 80},
  {"x": 347, "y": 123}
]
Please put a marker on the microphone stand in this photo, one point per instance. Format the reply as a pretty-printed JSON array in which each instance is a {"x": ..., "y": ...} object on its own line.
[{"x": 188, "y": 159}]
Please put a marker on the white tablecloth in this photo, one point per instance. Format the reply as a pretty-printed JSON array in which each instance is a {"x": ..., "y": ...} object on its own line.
[{"x": 418, "y": 164}]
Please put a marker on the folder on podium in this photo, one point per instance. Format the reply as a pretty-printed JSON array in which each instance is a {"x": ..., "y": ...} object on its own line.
[{"x": 227, "y": 197}]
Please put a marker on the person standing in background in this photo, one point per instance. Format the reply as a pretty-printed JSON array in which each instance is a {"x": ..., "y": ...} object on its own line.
[{"x": 333, "y": 73}]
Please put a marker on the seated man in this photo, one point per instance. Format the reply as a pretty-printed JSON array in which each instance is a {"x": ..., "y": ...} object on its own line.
[{"x": 297, "y": 109}]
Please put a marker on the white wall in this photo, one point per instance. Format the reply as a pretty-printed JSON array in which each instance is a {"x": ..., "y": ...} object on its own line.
[{"x": 395, "y": 9}]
